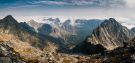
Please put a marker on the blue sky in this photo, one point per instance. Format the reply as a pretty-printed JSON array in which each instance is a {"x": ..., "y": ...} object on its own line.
[
  {"x": 123, "y": 10},
  {"x": 57, "y": 7},
  {"x": 101, "y": 8}
]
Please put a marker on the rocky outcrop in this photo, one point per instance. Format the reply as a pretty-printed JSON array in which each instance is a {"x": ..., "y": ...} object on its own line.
[
  {"x": 88, "y": 48},
  {"x": 8, "y": 55}
]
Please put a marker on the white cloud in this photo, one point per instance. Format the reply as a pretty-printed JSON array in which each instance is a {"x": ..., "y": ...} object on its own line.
[
  {"x": 130, "y": 3},
  {"x": 50, "y": 2},
  {"x": 128, "y": 22},
  {"x": 22, "y": 6},
  {"x": 129, "y": 26},
  {"x": 89, "y": 3}
]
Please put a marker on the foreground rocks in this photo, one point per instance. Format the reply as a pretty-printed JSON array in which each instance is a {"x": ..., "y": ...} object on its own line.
[
  {"x": 8, "y": 55},
  {"x": 51, "y": 54}
]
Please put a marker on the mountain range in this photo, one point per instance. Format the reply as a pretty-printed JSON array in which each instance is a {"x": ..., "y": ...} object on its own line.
[
  {"x": 69, "y": 33},
  {"x": 57, "y": 42}
]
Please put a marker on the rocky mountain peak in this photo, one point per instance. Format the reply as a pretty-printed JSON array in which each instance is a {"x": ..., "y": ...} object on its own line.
[
  {"x": 9, "y": 20},
  {"x": 32, "y": 22},
  {"x": 111, "y": 22},
  {"x": 9, "y": 17},
  {"x": 111, "y": 34},
  {"x": 9, "y": 23}
]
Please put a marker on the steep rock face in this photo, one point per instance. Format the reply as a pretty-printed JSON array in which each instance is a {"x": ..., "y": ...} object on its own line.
[
  {"x": 111, "y": 34},
  {"x": 27, "y": 28},
  {"x": 84, "y": 28},
  {"x": 133, "y": 29}
]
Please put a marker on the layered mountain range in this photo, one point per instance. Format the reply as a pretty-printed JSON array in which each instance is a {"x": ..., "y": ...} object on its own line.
[
  {"x": 69, "y": 33},
  {"x": 110, "y": 33},
  {"x": 56, "y": 42}
]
